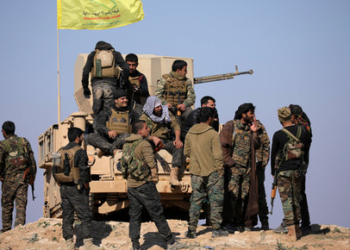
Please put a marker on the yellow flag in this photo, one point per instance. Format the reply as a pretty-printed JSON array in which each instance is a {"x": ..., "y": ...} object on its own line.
[{"x": 97, "y": 14}]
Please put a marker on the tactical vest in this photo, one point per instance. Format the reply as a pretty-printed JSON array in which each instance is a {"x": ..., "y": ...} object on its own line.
[
  {"x": 119, "y": 122},
  {"x": 241, "y": 145},
  {"x": 17, "y": 158},
  {"x": 131, "y": 165},
  {"x": 174, "y": 88},
  {"x": 74, "y": 175},
  {"x": 104, "y": 64},
  {"x": 136, "y": 80}
]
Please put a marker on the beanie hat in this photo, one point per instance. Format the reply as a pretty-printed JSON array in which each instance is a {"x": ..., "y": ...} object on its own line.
[
  {"x": 284, "y": 114},
  {"x": 119, "y": 93}
]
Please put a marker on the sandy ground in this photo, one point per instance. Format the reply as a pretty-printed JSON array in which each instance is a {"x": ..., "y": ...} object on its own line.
[{"x": 47, "y": 234}]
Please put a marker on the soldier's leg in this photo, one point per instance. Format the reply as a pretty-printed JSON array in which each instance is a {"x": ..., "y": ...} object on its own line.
[
  {"x": 67, "y": 212},
  {"x": 286, "y": 190},
  {"x": 305, "y": 216},
  {"x": 8, "y": 195},
  {"x": 135, "y": 213},
  {"x": 197, "y": 197},
  {"x": 97, "y": 95},
  {"x": 184, "y": 114},
  {"x": 263, "y": 209},
  {"x": 215, "y": 189},
  {"x": 244, "y": 192},
  {"x": 296, "y": 184},
  {"x": 98, "y": 141},
  {"x": 21, "y": 202},
  {"x": 80, "y": 203},
  {"x": 234, "y": 188},
  {"x": 119, "y": 141},
  {"x": 177, "y": 154},
  {"x": 108, "y": 99},
  {"x": 150, "y": 199}
]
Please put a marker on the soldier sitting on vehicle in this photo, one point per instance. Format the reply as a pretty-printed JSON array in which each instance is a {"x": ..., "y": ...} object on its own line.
[
  {"x": 175, "y": 90},
  {"x": 114, "y": 125},
  {"x": 161, "y": 122}
]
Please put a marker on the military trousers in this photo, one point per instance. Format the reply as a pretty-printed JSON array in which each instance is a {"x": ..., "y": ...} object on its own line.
[
  {"x": 146, "y": 196},
  {"x": 263, "y": 208},
  {"x": 14, "y": 189},
  {"x": 74, "y": 200},
  {"x": 203, "y": 186},
  {"x": 176, "y": 153},
  {"x": 107, "y": 144},
  {"x": 238, "y": 188},
  {"x": 288, "y": 183},
  {"x": 102, "y": 92}
]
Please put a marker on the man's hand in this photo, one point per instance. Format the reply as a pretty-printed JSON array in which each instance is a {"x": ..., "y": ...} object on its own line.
[
  {"x": 87, "y": 92},
  {"x": 154, "y": 175},
  {"x": 253, "y": 126},
  {"x": 178, "y": 143},
  {"x": 155, "y": 140},
  {"x": 169, "y": 105},
  {"x": 181, "y": 107},
  {"x": 112, "y": 134}
]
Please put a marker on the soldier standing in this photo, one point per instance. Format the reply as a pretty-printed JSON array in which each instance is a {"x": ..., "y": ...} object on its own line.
[
  {"x": 17, "y": 166},
  {"x": 239, "y": 140},
  {"x": 142, "y": 174},
  {"x": 74, "y": 190},
  {"x": 176, "y": 91},
  {"x": 102, "y": 64},
  {"x": 138, "y": 81},
  {"x": 202, "y": 146},
  {"x": 263, "y": 156},
  {"x": 288, "y": 147}
]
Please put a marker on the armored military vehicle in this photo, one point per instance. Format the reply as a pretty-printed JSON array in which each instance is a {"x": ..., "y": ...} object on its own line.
[{"x": 108, "y": 197}]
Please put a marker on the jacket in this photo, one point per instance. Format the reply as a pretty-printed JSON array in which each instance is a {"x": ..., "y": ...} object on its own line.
[
  {"x": 143, "y": 151},
  {"x": 202, "y": 146}
]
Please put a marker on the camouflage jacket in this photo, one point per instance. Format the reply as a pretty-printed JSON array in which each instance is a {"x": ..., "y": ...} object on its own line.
[
  {"x": 237, "y": 143},
  {"x": 11, "y": 145},
  {"x": 263, "y": 152},
  {"x": 190, "y": 98}
]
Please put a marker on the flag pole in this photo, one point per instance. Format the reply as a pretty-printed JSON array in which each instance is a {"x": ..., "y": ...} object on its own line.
[{"x": 58, "y": 80}]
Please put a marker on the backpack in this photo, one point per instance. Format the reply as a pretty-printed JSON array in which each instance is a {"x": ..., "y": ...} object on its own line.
[
  {"x": 293, "y": 149},
  {"x": 18, "y": 158},
  {"x": 104, "y": 64},
  {"x": 66, "y": 172},
  {"x": 130, "y": 165}
]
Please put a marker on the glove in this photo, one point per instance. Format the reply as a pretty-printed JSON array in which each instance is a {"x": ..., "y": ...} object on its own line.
[{"x": 87, "y": 92}]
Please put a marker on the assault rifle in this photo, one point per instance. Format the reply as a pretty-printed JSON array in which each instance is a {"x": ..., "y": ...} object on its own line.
[
  {"x": 28, "y": 174},
  {"x": 273, "y": 191}
]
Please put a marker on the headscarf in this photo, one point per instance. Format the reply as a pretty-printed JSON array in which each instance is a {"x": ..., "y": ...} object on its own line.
[
  {"x": 301, "y": 117},
  {"x": 148, "y": 108}
]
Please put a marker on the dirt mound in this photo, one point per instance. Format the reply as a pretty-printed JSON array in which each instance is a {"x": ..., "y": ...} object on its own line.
[{"x": 47, "y": 234}]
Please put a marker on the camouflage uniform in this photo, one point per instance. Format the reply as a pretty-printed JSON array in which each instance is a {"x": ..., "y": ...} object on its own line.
[
  {"x": 288, "y": 183},
  {"x": 14, "y": 188},
  {"x": 263, "y": 156},
  {"x": 189, "y": 98},
  {"x": 237, "y": 159}
]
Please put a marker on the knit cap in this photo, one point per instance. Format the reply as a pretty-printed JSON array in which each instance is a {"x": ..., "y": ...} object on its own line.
[
  {"x": 284, "y": 114},
  {"x": 119, "y": 93}
]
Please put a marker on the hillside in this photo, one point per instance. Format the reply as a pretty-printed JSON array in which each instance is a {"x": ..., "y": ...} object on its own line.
[{"x": 47, "y": 234}]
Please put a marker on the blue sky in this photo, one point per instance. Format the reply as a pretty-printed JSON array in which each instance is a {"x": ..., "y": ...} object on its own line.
[{"x": 299, "y": 51}]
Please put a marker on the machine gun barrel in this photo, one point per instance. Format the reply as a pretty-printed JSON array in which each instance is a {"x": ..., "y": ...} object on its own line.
[{"x": 221, "y": 77}]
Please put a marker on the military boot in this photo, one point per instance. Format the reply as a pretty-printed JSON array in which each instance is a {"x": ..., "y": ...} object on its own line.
[
  {"x": 219, "y": 233},
  {"x": 174, "y": 245},
  {"x": 88, "y": 245},
  {"x": 282, "y": 229},
  {"x": 174, "y": 177},
  {"x": 70, "y": 244},
  {"x": 191, "y": 234}
]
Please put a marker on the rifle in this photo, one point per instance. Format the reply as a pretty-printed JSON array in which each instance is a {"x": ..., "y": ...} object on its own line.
[
  {"x": 28, "y": 174},
  {"x": 273, "y": 192}
]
